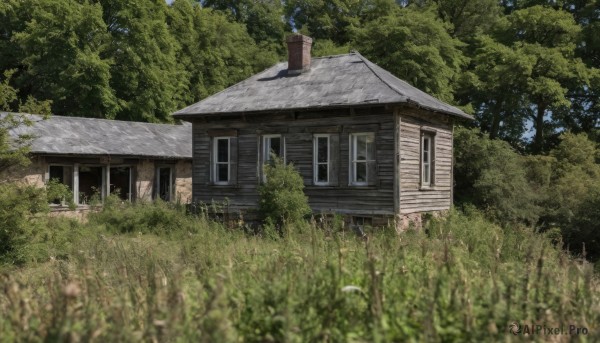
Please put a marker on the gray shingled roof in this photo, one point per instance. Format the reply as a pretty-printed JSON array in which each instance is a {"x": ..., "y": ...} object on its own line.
[
  {"x": 334, "y": 81},
  {"x": 87, "y": 136}
]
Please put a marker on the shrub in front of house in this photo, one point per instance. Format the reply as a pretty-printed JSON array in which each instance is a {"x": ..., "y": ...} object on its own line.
[{"x": 282, "y": 198}]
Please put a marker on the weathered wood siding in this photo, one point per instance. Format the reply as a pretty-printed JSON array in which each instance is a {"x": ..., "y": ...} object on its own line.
[
  {"x": 413, "y": 197},
  {"x": 298, "y": 129}
]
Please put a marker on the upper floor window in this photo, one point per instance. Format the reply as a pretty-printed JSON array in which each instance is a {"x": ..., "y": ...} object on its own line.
[
  {"x": 321, "y": 159},
  {"x": 427, "y": 155},
  {"x": 362, "y": 159},
  {"x": 221, "y": 160},
  {"x": 272, "y": 145}
]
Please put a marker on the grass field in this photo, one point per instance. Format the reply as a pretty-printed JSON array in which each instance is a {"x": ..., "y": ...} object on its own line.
[{"x": 151, "y": 273}]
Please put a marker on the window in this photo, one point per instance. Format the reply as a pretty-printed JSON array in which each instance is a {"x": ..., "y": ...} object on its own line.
[
  {"x": 272, "y": 144},
  {"x": 221, "y": 160},
  {"x": 164, "y": 182},
  {"x": 362, "y": 159},
  {"x": 62, "y": 175},
  {"x": 427, "y": 155},
  {"x": 120, "y": 182},
  {"x": 91, "y": 184},
  {"x": 321, "y": 159}
]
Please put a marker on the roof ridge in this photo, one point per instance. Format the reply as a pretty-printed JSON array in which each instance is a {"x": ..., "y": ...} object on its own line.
[
  {"x": 408, "y": 99},
  {"x": 96, "y": 119},
  {"x": 233, "y": 85},
  {"x": 336, "y": 56},
  {"x": 366, "y": 62}
]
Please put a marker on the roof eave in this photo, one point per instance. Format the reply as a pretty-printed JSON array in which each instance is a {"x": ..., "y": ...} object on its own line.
[
  {"x": 155, "y": 157},
  {"x": 192, "y": 116}
]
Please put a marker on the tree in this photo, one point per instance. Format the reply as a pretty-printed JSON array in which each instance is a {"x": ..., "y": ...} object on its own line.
[
  {"x": 145, "y": 76},
  {"x": 525, "y": 71},
  {"x": 468, "y": 17},
  {"x": 495, "y": 89},
  {"x": 416, "y": 47},
  {"x": 334, "y": 19},
  {"x": 574, "y": 193},
  {"x": 14, "y": 152},
  {"x": 490, "y": 175},
  {"x": 264, "y": 20},
  {"x": 61, "y": 46},
  {"x": 214, "y": 52}
]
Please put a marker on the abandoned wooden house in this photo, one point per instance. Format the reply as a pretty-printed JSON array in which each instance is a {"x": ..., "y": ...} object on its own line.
[
  {"x": 368, "y": 145},
  {"x": 95, "y": 157}
]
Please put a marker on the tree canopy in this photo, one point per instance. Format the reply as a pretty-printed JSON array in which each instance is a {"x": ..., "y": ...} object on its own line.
[{"x": 527, "y": 70}]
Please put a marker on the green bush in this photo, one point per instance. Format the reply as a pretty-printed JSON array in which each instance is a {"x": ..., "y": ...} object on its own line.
[
  {"x": 573, "y": 201},
  {"x": 282, "y": 198},
  {"x": 58, "y": 193},
  {"x": 158, "y": 217},
  {"x": 21, "y": 215},
  {"x": 492, "y": 176}
]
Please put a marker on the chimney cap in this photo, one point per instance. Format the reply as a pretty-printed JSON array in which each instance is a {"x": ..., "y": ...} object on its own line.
[{"x": 297, "y": 37}]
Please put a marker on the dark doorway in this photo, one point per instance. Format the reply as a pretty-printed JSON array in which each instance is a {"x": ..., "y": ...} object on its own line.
[
  {"x": 164, "y": 182},
  {"x": 90, "y": 184},
  {"x": 120, "y": 182}
]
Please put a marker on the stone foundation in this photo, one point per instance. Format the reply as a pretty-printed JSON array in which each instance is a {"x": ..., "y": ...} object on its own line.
[
  {"x": 416, "y": 220},
  {"x": 80, "y": 213}
]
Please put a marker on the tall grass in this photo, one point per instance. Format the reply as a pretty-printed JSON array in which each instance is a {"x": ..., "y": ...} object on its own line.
[{"x": 151, "y": 273}]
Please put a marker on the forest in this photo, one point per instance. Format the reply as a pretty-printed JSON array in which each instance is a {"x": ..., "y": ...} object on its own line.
[{"x": 521, "y": 245}]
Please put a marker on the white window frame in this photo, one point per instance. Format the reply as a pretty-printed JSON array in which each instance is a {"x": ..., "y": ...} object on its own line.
[
  {"x": 266, "y": 151},
  {"x": 216, "y": 162},
  {"x": 354, "y": 162},
  {"x": 426, "y": 169},
  {"x": 316, "y": 162}
]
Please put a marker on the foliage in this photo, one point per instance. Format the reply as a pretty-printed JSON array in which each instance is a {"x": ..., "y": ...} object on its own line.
[
  {"x": 14, "y": 151},
  {"x": 414, "y": 46},
  {"x": 516, "y": 64},
  {"x": 491, "y": 175},
  {"x": 19, "y": 220},
  {"x": 63, "y": 49},
  {"x": 574, "y": 191},
  {"x": 281, "y": 196},
  {"x": 465, "y": 280},
  {"x": 264, "y": 20},
  {"x": 58, "y": 192},
  {"x": 334, "y": 20},
  {"x": 215, "y": 52},
  {"x": 526, "y": 71},
  {"x": 158, "y": 218}
]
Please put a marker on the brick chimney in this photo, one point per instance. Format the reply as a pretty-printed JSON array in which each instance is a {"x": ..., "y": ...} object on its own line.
[{"x": 298, "y": 53}]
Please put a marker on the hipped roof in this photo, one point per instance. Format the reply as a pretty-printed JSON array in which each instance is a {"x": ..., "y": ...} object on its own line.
[{"x": 335, "y": 81}]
